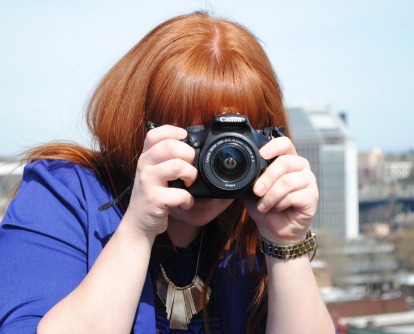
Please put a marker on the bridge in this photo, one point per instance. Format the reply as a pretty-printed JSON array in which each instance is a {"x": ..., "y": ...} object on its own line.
[{"x": 385, "y": 209}]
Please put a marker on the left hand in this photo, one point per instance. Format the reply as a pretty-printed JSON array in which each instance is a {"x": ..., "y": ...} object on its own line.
[{"x": 289, "y": 194}]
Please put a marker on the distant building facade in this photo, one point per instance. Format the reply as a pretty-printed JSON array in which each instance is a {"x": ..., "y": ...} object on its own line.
[
  {"x": 369, "y": 263},
  {"x": 397, "y": 170},
  {"x": 10, "y": 174},
  {"x": 375, "y": 166},
  {"x": 371, "y": 166},
  {"x": 324, "y": 139}
]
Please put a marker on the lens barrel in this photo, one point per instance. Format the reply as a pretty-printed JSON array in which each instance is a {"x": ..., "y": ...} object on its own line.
[{"x": 229, "y": 163}]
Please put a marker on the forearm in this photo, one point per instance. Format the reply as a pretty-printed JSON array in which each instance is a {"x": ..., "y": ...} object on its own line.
[
  {"x": 295, "y": 304},
  {"x": 107, "y": 299}
]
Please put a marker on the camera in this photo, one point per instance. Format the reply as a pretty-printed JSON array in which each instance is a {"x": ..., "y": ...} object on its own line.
[{"x": 227, "y": 156}]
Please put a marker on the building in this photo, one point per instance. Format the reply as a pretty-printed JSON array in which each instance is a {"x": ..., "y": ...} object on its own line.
[
  {"x": 371, "y": 166},
  {"x": 370, "y": 263},
  {"x": 397, "y": 170},
  {"x": 10, "y": 174},
  {"x": 375, "y": 166},
  {"x": 324, "y": 139}
]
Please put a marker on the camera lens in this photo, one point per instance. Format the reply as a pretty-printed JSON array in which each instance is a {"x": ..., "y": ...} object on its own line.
[{"x": 230, "y": 163}]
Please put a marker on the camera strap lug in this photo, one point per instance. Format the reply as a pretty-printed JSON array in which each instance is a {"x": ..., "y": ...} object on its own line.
[{"x": 274, "y": 131}]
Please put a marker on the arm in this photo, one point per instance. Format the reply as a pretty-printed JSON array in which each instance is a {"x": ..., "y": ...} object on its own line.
[
  {"x": 289, "y": 197},
  {"x": 295, "y": 305},
  {"x": 106, "y": 300}
]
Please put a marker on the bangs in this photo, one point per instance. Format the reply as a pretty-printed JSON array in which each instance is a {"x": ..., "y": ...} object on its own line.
[
  {"x": 206, "y": 80},
  {"x": 184, "y": 72}
]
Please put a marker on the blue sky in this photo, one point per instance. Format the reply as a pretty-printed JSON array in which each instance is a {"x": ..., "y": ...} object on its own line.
[{"x": 354, "y": 56}]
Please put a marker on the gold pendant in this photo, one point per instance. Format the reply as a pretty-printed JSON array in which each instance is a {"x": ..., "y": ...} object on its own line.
[{"x": 181, "y": 303}]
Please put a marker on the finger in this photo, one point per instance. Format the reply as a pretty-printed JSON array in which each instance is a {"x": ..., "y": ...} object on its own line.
[
  {"x": 168, "y": 149},
  {"x": 300, "y": 203},
  {"x": 161, "y": 133},
  {"x": 277, "y": 147},
  {"x": 173, "y": 198},
  {"x": 281, "y": 166},
  {"x": 168, "y": 171},
  {"x": 286, "y": 185}
]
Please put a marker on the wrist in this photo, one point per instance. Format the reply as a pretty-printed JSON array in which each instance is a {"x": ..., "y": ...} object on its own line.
[
  {"x": 130, "y": 231},
  {"x": 284, "y": 239},
  {"x": 287, "y": 252},
  {"x": 144, "y": 226}
]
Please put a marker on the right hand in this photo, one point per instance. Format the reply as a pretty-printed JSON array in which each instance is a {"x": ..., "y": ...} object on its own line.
[{"x": 164, "y": 158}]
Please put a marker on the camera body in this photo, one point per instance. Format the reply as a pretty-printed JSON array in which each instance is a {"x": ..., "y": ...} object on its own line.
[{"x": 227, "y": 157}]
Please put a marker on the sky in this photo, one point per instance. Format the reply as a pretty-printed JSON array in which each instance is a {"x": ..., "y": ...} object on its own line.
[{"x": 352, "y": 56}]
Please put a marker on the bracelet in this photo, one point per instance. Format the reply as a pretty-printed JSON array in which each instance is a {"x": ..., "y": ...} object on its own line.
[{"x": 288, "y": 252}]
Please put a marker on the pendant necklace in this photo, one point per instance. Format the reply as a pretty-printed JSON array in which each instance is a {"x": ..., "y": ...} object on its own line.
[{"x": 182, "y": 303}]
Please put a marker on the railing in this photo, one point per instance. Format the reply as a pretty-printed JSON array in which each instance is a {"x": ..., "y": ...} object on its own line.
[
  {"x": 385, "y": 209},
  {"x": 356, "y": 330}
]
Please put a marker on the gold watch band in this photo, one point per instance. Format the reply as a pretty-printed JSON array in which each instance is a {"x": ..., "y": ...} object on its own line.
[{"x": 288, "y": 252}]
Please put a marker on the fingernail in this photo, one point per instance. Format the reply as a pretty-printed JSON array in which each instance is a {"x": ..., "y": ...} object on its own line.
[
  {"x": 259, "y": 189},
  {"x": 181, "y": 133},
  {"x": 261, "y": 207},
  {"x": 264, "y": 152}
]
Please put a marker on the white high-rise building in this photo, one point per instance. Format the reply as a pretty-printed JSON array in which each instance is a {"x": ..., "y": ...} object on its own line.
[{"x": 323, "y": 138}]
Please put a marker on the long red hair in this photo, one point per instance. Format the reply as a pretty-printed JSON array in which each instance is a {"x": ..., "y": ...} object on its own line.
[{"x": 185, "y": 71}]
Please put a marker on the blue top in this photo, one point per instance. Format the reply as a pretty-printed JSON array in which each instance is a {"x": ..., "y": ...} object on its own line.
[{"x": 52, "y": 234}]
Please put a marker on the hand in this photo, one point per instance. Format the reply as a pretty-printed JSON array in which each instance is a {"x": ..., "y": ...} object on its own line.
[
  {"x": 164, "y": 158},
  {"x": 289, "y": 194}
]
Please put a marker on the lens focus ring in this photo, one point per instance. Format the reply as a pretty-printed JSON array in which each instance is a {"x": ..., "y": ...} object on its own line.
[{"x": 230, "y": 163}]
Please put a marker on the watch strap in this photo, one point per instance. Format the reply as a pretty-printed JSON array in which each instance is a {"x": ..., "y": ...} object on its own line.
[{"x": 288, "y": 252}]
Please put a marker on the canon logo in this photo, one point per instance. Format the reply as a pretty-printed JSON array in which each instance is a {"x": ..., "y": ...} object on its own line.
[{"x": 232, "y": 119}]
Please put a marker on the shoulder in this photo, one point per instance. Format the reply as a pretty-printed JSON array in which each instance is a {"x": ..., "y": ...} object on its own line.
[
  {"x": 55, "y": 190},
  {"x": 44, "y": 236},
  {"x": 59, "y": 200},
  {"x": 59, "y": 175},
  {"x": 60, "y": 169}
]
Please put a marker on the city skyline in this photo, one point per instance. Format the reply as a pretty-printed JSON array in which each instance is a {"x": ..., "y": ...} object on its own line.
[{"x": 352, "y": 56}]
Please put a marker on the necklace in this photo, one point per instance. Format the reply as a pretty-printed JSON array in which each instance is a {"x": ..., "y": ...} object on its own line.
[{"x": 182, "y": 303}]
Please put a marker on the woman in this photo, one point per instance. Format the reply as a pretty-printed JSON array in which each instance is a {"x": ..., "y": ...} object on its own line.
[{"x": 156, "y": 258}]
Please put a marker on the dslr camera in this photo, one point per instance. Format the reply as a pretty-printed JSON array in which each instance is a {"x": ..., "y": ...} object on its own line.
[{"x": 227, "y": 157}]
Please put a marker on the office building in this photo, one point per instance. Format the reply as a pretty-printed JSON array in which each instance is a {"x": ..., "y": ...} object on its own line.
[{"x": 324, "y": 139}]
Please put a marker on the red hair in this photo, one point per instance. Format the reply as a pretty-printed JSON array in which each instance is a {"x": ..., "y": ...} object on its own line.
[{"x": 185, "y": 71}]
